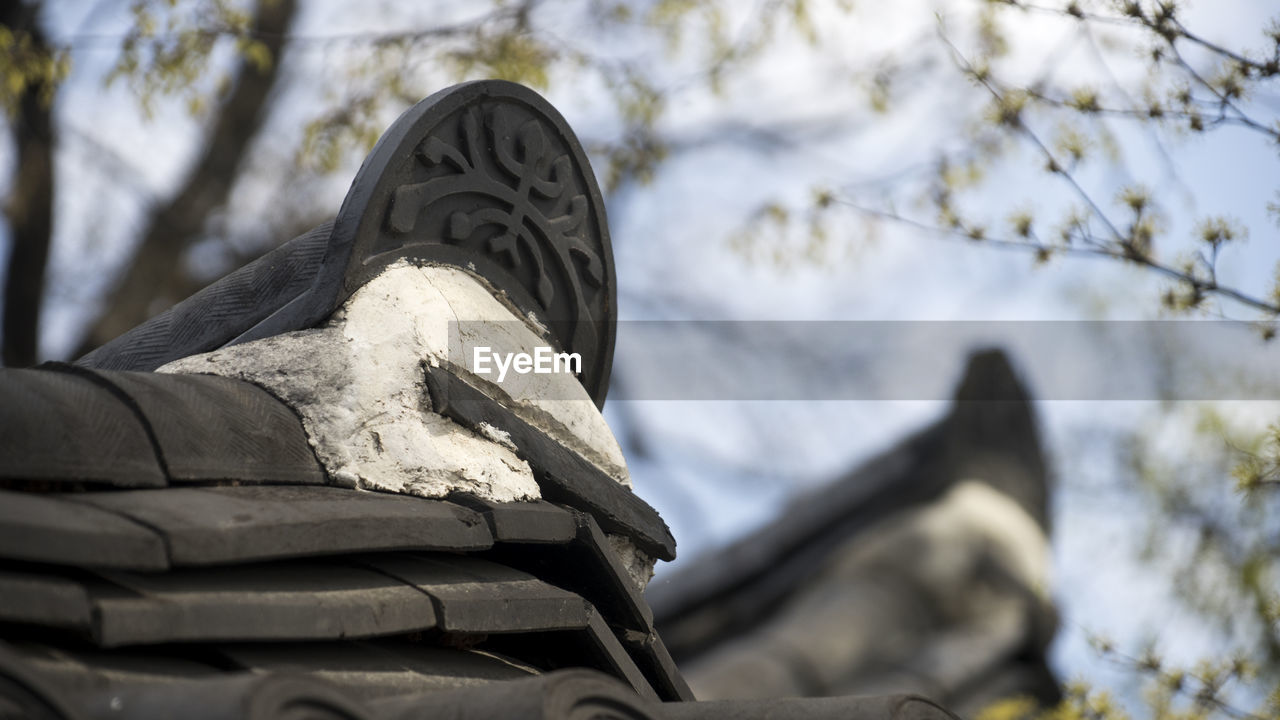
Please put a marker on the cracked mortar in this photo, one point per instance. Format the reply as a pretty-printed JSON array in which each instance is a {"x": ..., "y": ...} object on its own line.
[{"x": 358, "y": 384}]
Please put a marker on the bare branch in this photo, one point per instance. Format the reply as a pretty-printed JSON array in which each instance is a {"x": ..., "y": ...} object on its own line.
[
  {"x": 1093, "y": 247},
  {"x": 30, "y": 207},
  {"x": 156, "y": 278}
]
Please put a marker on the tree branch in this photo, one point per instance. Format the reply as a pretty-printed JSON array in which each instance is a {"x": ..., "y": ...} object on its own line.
[
  {"x": 30, "y": 205},
  {"x": 1095, "y": 247},
  {"x": 156, "y": 278}
]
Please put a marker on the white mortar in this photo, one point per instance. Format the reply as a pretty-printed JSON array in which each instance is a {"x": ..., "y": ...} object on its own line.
[{"x": 358, "y": 384}]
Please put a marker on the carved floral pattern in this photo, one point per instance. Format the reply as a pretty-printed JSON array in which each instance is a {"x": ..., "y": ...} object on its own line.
[{"x": 533, "y": 203}]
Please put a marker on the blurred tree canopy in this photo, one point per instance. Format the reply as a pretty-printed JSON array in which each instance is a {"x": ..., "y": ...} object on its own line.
[
  {"x": 176, "y": 50},
  {"x": 233, "y": 67}
]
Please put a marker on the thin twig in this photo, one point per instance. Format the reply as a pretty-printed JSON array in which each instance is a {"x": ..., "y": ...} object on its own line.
[{"x": 1093, "y": 248}]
